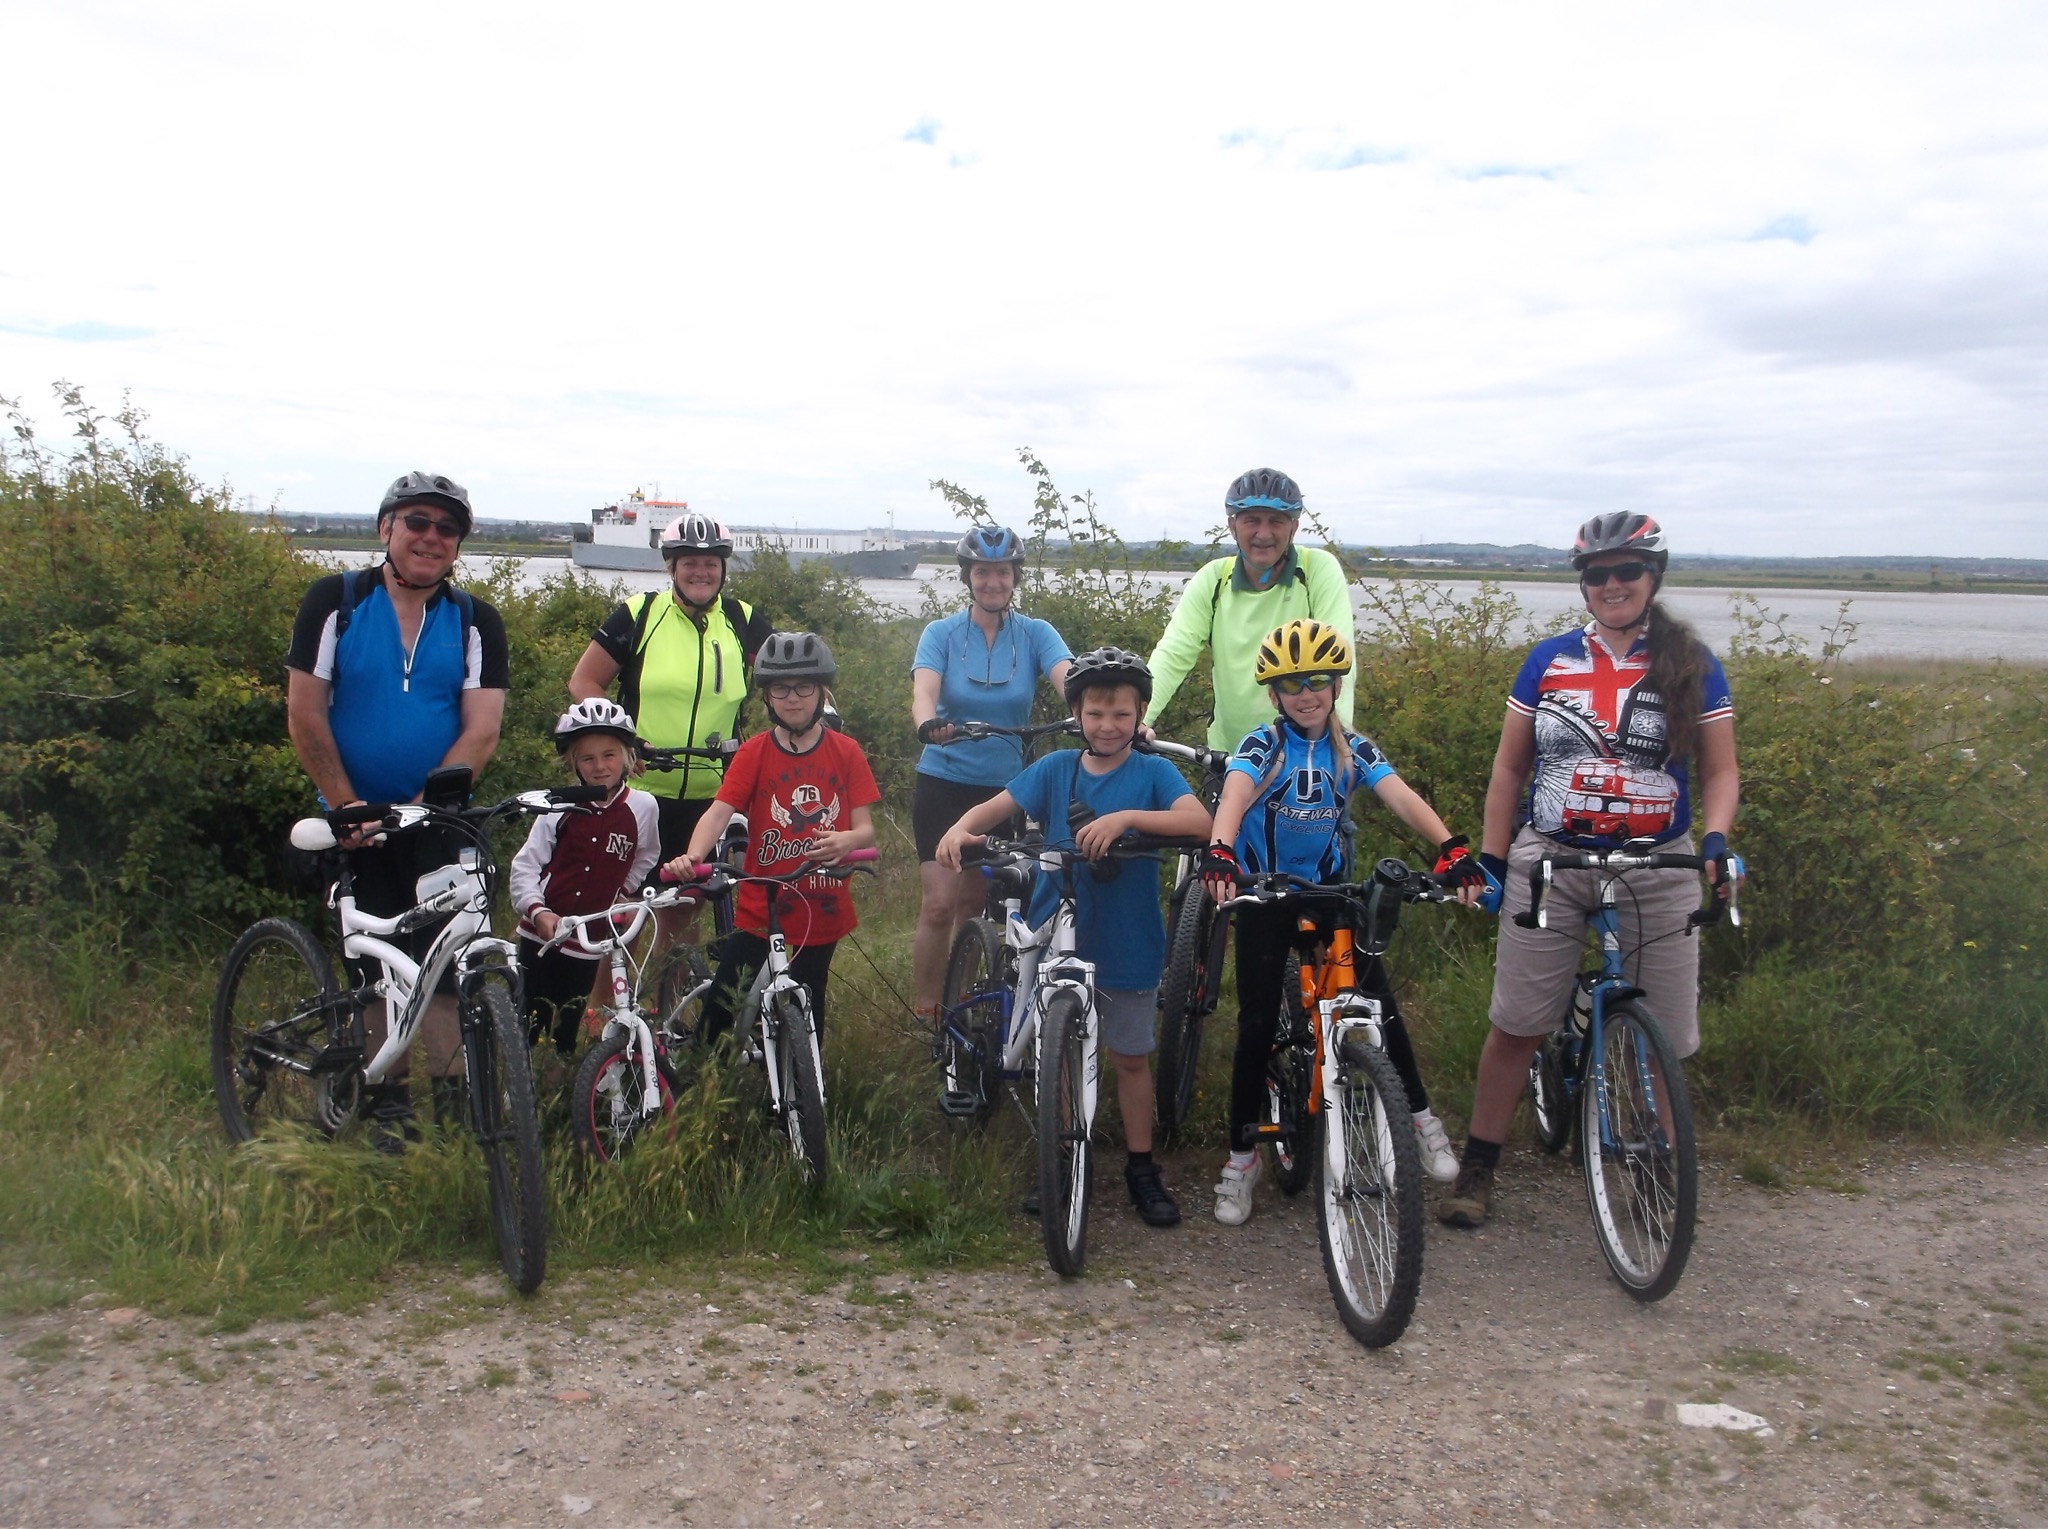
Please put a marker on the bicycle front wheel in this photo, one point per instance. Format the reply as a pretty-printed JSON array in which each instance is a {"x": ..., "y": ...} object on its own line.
[
  {"x": 1187, "y": 991},
  {"x": 970, "y": 1022},
  {"x": 802, "y": 1084},
  {"x": 607, "y": 1104},
  {"x": 508, "y": 1130},
  {"x": 1547, "y": 1105},
  {"x": 1635, "y": 1137},
  {"x": 1065, "y": 1154},
  {"x": 273, "y": 1014},
  {"x": 1369, "y": 1207},
  {"x": 1288, "y": 1072}
]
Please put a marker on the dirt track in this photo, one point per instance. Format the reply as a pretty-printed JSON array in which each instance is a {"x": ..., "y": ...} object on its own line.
[{"x": 1890, "y": 1339}]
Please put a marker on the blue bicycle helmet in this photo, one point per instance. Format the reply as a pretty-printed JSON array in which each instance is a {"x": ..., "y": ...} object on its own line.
[
  {"x": 1264, "y": 488},
  {"x": 989, "y": 544}
]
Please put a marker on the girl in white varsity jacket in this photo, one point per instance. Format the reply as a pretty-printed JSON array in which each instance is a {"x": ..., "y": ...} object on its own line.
[{"x": 580, "y": 860}]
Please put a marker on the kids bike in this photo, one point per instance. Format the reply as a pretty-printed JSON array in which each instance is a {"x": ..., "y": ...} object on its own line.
[
  {"x": 1611, "y": 1071},
  {"x": 682, "y": 971},
  {"x": 1023, "y": 1006},
  {"x": 1337, "y": 1110},
  {"x": 630, "y": 1076},
  {"x": 288, "y": 1044}
]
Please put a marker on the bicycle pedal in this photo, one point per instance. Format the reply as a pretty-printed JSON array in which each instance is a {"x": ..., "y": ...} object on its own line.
[
  {"x": 958, "y": 1104},
  {"x": 1268, "y": 1131},
  {"x": 339, "y": 1057}
]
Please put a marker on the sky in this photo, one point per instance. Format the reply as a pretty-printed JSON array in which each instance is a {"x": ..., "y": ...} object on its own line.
[{"x": 1773, "y": 274}]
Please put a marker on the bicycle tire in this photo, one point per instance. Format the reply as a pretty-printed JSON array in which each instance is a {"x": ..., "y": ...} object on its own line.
[
  {"x": 1643, "y": 1190},
  {"x": 1187, "y": 991},
  {"x": 802, "y": 1084},
  {"x": 1548, "y": 1109},
  {"x": 275, "y": 999},
  {"x": 1289, "y": 1071},
  {"x": 969, "y": 1040},
  {"x": 1370, "y": 1217},
  {"x": 508, "y": 1130},
  {"x": 606, "y": 1101},
  {"x": 1065, "y": 1153}
]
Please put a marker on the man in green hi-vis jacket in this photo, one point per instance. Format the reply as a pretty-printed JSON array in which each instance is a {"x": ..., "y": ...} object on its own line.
[{"x": 1234, "y": 601}]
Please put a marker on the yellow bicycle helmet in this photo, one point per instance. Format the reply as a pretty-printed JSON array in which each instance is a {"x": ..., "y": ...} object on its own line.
[{"x": 1302, "y": 646}]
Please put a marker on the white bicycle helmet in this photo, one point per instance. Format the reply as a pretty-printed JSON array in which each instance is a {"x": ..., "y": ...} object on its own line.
[{"x": 596, "y": 715}]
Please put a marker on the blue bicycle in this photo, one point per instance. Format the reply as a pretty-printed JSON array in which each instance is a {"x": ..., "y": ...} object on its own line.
[{"x": 1611, "y": 1069}]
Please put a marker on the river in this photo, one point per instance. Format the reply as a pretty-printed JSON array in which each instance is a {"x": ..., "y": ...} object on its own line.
[{"x": 1889, "y": 624}]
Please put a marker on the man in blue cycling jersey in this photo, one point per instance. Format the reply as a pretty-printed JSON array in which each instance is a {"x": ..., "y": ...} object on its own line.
[{"x": 393, "y": 673}]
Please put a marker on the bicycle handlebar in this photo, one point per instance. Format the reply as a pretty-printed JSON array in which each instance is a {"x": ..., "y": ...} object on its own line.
[
  {"x": 325, "y": 831},
  {"x": 968, "y": 732},
  {"x": 1396, "y": 876},
  {"x": 1211, "y": 760},
  {"x": 1618, "y": 863},
  {"x": 713, "y": 747},
  {"x": 719, "y": 876}
]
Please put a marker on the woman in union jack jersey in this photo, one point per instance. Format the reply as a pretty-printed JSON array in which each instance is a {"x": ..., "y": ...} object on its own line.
[{"x": 1620, "y": 732}]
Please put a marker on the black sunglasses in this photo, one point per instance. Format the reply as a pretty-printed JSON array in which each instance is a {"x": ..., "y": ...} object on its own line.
[
  {"x": 1628, "y": 573},
  {"x": 420, "y": 525}
]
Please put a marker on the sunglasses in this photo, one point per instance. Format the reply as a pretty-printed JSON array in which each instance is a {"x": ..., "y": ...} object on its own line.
[
  {"x": 420, "y": 525},
  {"x": 1628, "y": 573},
  {"x": 792, "y": 690},
  {"x": 1295, "y": 684}
]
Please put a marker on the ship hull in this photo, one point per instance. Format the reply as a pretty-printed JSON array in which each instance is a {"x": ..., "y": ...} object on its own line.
[{"x": 610, "y": 557}]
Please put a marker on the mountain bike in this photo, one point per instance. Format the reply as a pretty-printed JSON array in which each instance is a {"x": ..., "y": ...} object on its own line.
[
  {"x": 630, "y": 1076},
  {"x": 1611, "y": 1071},
  {"x": 289, "y": 1045},
  {"x": 1025, "y": 1008},
  {"x": 1197, "y": 938},
  {"x": 1336, "y": 1102}
]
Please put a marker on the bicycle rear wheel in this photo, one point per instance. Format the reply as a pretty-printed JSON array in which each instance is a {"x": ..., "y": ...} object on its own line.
[
  {"x": 970, "y": 1022},
  {"x": 802, "y": 1084},
  {"x": 1553, "y": 1117},
  {"x": 607, "y": 1102},
  {"x": 1187, "y": 992},
  {"x": 507, "y": 1129},
  {"x": 273, "y": 1016},
  {"x": 1369, "y": 1209},
  {"x": 1636, "y": 1141},
  {"x": 1288, "y": 1072},
  {"x": 1065, "y": 1154}
]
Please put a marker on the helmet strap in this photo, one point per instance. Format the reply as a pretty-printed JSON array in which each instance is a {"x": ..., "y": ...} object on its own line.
[{"x": 402, "y": 581}]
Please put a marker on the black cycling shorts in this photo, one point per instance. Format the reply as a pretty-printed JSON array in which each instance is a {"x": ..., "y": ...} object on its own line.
[{"x": 936, "y": 805}]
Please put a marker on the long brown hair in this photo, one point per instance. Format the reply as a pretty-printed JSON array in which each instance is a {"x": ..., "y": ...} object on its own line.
[{"x": 1678, "y": 667}]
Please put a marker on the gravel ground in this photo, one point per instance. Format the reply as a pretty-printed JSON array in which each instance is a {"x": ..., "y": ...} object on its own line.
[{"x": 1884, "y": 1328}]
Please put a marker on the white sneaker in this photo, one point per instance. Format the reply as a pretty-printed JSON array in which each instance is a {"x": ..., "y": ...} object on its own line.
[
  {"x": 1438, "y": 1161},
  {"x": 1234, "y": 1192}
]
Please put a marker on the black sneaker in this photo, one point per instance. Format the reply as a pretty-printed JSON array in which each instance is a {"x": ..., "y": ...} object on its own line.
[
  {"x": 392, "y": 1123},
  {"x": 1155, "y": 1206}
]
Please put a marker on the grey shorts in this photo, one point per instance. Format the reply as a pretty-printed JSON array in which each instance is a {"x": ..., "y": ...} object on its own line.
[
  {"x": 1129, "y": 1019},
  {"x": 1533, "y": 968}
]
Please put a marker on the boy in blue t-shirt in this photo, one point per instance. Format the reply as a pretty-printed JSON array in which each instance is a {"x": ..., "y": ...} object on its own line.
[{"x": 1118, "y": 925}]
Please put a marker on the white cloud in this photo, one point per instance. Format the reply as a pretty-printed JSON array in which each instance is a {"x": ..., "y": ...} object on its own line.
[{"x": 1467, "y": 274}]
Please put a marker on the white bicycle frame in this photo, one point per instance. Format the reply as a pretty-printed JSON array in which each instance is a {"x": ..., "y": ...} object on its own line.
[
  {"x": 1342, "y": 1019},
  {"x": 1047, "y": 964},
  {"x": 406, "y": 986}
]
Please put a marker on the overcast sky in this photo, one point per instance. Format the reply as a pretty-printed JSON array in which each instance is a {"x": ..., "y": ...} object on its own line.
[{"x": 1776, "y": 274}]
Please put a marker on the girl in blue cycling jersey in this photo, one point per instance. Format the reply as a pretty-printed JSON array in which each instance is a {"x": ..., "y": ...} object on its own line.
[{"x": 1286, "y": 793}]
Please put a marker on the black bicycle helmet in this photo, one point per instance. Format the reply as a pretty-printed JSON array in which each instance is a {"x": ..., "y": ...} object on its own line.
[
  {"x": 989, "y": 544},
  {"x": 1622, "y": 531},
  {"x": 1264, "y": 488},
  {"x": 694, "y": 533},
  {"x": 1108, "y": 666},
  {"x": 794, "y": 656},
  {"x": 596, "y": 715},
  {"x": 428, "y": 488}
]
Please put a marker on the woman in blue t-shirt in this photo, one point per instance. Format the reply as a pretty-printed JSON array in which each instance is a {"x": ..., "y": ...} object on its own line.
[
  {"x": 982, "y": 664},
  {"x": 1603, "y": 730},
  {"x": 1286, "y": 793}
]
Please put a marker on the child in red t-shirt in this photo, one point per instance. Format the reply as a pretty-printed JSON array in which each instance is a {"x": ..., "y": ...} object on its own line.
[{"x": 806, "y": 790}]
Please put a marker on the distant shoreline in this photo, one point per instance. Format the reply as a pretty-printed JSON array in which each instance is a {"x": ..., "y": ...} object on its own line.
[{"x": 1850, "y": 579}]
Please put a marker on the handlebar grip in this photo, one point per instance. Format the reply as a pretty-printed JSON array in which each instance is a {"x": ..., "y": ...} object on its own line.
[
  {"x": 570, "y": 795},
  {"x": 1539, "y": 887},
  {"x": 361, "y": 812},
  {"x": 861, "y": 856}
]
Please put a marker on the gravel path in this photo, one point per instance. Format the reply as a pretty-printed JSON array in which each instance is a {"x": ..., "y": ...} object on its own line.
[{"x": 1887, "y": 1331}]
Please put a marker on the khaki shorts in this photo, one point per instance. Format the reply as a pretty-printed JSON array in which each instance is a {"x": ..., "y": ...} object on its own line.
[{"x": 1533, "y": 968}]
